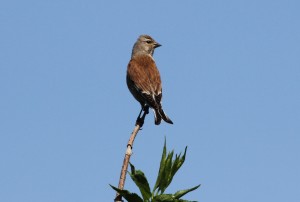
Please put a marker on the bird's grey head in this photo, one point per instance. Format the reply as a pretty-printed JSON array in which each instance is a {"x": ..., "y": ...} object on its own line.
[{"x": 145, "y": 44}]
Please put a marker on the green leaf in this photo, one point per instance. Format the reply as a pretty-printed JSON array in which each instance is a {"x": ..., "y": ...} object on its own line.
[
  {"x": 163, "y": 198},
  {"x": 168, "y": 169},
  {"x": 161, "y": 167},
  {"x": 181, "y": 193},
  {"x": 176, "y": 164},
  {"x": 166, "y": 173},
  {"x": 168, "y": 198},
  {"x": 141, "y": 181},
  {"x": 130, "y": 197}
]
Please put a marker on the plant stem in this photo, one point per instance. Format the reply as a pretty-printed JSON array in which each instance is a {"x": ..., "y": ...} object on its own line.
[{"x": 139, "y": 123}]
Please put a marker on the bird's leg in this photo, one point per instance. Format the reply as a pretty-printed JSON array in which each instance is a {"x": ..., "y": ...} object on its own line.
[
  {"x": 140, "y": 119},
  {"x": 146, "y": 109},
  {"x": 139, "y": 116}
]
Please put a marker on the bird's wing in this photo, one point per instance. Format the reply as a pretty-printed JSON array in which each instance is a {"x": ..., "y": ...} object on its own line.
[
  {"x": 145, "y": 77},
  {"x": 155, "y": 82},
  {"x": 154, "y": 76}
]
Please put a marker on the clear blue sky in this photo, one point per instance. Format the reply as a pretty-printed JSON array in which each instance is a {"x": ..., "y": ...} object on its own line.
[{"x": 231, "y": 80}]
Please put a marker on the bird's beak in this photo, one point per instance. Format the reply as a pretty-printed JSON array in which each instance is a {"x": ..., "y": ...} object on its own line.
[{"x": 156, "y": 45}]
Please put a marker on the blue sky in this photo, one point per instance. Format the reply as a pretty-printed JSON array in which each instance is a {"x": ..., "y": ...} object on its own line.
[{"x": 231, "y": 80}]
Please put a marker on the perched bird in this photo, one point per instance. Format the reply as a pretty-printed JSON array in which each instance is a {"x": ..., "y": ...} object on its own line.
[{"x": 143, "y": 78}]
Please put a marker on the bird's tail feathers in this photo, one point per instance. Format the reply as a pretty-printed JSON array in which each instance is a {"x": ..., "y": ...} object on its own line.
[
  {"x": 165, "y": 117},
  {"x": 160, "y": 114},
  {"x": 157, "y": 117}
]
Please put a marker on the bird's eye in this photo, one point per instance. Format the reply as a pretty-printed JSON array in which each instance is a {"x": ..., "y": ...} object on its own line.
[{"x": 148, "y": 41}]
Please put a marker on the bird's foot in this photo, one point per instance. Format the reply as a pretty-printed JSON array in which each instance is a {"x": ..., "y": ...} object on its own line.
[
  {"x": 146, "y": 109},
  {"x": 140, "y": 121}
]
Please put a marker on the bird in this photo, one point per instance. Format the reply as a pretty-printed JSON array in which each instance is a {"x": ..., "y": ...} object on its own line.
[{"x": 143, "y": 78}]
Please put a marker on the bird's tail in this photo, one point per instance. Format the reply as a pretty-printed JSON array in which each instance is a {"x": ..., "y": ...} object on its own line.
[
  {"x": 157, "y": 117},
  {"x": 160, "y": 114}
]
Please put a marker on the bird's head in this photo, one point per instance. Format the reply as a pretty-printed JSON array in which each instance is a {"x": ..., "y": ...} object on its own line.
[{"x": 145, "y": 44}]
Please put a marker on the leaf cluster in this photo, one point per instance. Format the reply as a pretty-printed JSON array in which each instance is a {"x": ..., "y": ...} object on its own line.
[{"x": 167, "y": 170}]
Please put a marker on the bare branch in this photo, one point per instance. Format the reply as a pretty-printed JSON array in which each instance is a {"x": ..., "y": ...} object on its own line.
[{"x": 139, "y": 123}]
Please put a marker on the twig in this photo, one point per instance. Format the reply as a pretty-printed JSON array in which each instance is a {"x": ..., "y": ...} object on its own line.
[{"x": 139, "y": 123}]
